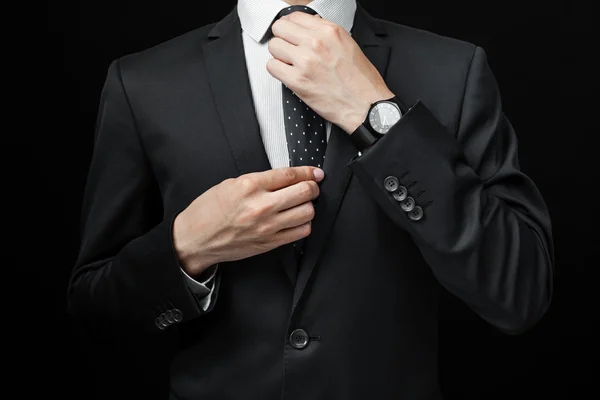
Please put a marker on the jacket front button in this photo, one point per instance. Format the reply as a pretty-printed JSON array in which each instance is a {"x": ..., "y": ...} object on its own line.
[
  {"x": 391, "y": 183},
  {"x": 299, "y": 339}
]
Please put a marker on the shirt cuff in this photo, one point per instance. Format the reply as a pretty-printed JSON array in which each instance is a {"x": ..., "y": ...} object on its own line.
[{"x": 202, "y": 289}]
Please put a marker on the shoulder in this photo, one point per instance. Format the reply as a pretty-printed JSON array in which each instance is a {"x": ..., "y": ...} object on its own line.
[
  {"x": 158, "y": 69},
  {"x": 168, "y": 53},
  {"x": 426, "y": 44}
]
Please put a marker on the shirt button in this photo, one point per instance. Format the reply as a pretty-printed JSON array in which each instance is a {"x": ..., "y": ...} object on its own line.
[
  {"x": 401, "y": 194},
  {"x": 299, "y": 339},
  {"x": 391, "y": 183},
  {"x": 416, "y": 213},
  {"x": 408, "y": 204}
]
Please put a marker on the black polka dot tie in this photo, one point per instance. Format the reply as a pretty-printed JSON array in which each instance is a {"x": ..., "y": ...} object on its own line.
[{"x": 304, "y": 128}]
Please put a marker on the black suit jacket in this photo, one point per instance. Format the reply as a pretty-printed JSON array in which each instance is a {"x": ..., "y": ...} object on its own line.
[{"x": 178, "y": 119}]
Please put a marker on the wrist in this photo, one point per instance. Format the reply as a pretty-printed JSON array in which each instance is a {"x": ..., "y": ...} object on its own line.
[
  {"x": 358, "y": 115},
  {"x": 191, "y": 260},
  {"x": 354, "y": 118}
]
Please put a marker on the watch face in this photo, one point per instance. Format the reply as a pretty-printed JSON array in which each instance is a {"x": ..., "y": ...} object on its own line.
[{"x": 383, "y": 116}]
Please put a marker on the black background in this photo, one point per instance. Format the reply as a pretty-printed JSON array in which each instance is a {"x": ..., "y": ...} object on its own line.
[{"x": 541, "y": 56}]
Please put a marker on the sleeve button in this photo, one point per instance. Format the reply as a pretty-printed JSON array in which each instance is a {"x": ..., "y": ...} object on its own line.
[
  {"x": 416, "y": 213},
  {"x": 391, "y": 183},
  {"x": 159, "y": 323},
  {"x": 400, "y": 194},
  {"x": 408, "y": 204},
  {"x": 177, "y": 315}
]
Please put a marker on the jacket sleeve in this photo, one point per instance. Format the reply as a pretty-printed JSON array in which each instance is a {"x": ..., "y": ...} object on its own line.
[
  {"x": 127, "y": 273},
  {"x": 479, "y": 222}
]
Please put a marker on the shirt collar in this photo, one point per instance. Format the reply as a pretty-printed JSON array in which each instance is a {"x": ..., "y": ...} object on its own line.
[{"x": 256, "y": 16}]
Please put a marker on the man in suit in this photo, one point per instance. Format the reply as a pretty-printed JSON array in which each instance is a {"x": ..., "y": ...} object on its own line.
[{"x": 290, "y": 199}]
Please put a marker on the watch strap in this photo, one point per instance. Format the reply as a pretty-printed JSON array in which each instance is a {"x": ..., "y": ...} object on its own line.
[
  {"x": 401, "y": 106},
  {"x": 362, "y": 137}
]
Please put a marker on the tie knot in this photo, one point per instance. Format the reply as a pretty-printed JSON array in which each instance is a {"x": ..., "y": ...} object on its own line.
[
  {"x": 291, "y": 9},
  {"x": 286, "y": 11}
]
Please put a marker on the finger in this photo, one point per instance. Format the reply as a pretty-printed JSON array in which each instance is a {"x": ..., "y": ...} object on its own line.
[
  {"x": 282, "y": 50},
  {"x": 294, "y": 195},
  {"x": 279, "y": 178},
  {"x": 281, "y": 71},
  {"x": 294, "y": 216},
  {"x": 289, "y": 31},
  {"x": 290, "y": 235},
  {"x": 307, "y": 21}
]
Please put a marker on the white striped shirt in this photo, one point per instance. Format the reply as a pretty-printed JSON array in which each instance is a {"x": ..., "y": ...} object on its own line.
[{"x": 256, "y": 17}]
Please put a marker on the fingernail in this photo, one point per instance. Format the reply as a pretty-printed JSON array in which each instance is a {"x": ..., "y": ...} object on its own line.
[{"x": 319, "y": 174}]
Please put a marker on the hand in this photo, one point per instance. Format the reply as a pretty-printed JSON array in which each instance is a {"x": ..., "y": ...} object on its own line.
[
  {"x": 245, "y": 216},
  {"x": 326, "y": 68}
]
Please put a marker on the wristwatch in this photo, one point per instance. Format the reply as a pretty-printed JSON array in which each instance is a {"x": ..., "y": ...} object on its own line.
[{"x": 382, "y": 116}]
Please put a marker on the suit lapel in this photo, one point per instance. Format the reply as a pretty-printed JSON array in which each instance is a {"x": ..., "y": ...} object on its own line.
[
  {"x": 228, "y": 76},
  {"x": 340, "y": 149}
]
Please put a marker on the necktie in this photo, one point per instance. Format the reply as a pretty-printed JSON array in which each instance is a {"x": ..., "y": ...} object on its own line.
[{"x": 305, "y": 130}]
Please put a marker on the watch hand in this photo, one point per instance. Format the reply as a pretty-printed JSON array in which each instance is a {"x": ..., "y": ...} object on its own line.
[{"x": 384, "y": 122}]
